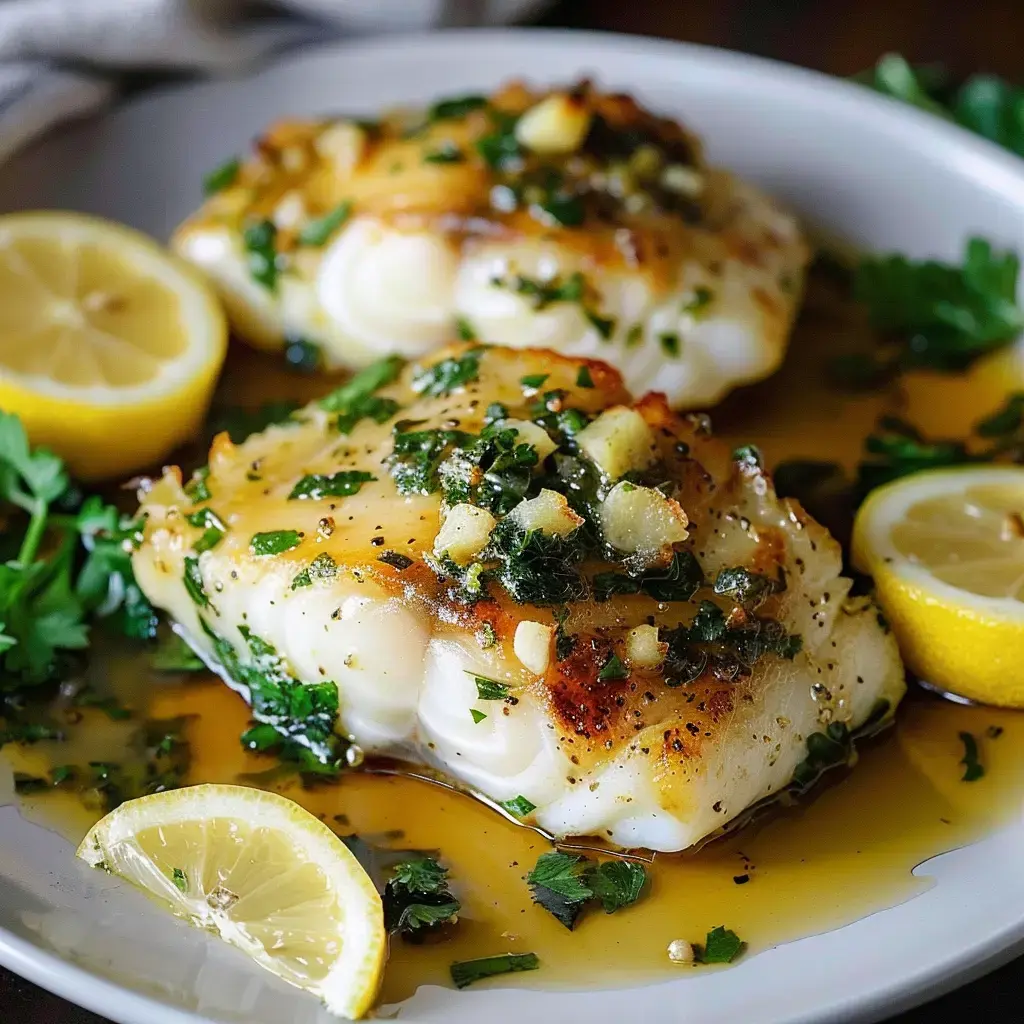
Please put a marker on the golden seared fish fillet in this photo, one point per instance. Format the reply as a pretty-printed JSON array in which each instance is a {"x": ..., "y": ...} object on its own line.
[
  {"x": 573, "y": 220},
  {"x": 495, "y": 563}
]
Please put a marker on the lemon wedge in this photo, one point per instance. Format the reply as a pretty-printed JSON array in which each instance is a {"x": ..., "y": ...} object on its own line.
[
  {"x": 263, "y": 874},
  {"x": 946, "y": 551},
  {"x": 109, "y": 346}
]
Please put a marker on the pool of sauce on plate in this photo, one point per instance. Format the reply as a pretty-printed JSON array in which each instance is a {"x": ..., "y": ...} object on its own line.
[{"x": 845, "y": 851}]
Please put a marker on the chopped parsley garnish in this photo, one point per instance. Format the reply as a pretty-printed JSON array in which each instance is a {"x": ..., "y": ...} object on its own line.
[
  {"x": 500, "y": 150},
  {"x": 243, "y": 423},
  {"x": 323, "y": 567},
  {"x": 445, "y": 376},
  {"x": 635, "y": 335},
  {"x": 563, "y": 208},
  {"x": 670, "y": 344},
  {"x": 274, "y": 542},
  {"x": 302, "y": 355},
  {"x": 294, "y": 719},
  {"x": 198, "y": 488},
  {"x": 518, "y": 806},
  {"x": 395, "y": 559},
  {"x": 446, "y": 153},
  {"x": 260, "y": 240},
  {"x": 534, "y": 381},
  {"x": 417, "y": 456},
  {"x": 493, "y": 472},
  {"x": 477, "y": 716},
  {"x": 730, "y": 652},
  {"x": 456, "y": 108},
  {"x": 222, "y": 177},
  {"x": 28, "y": 732},
  {"x": 534, "y": 567},
  {"x": 467, "y": 972},
  {"x": 193, "y": 579},
  {"x": 934, "y": 315},
  {"x": 492, "y": 689},
  {"x": 605, "y": 326},
  {"x": 612, "y": 670},
  {"x": 417, "y": 900},
  {"x": 698, "y": 304},
  {"x": 342, "y": 484},
  {"x": 212, "y": 526},
  {"x": 973, "y": 768},
  {"x": 179, "y": 879},
  {"x": 747, "y": 588},
  {"x": 486, "y": 636},
  {"x": 583, "y": 378},
  {"x": 749, "y": 458},
  {"x": 721, "y": 946},
  {"x": 985, "y": 104},
  {"x": 564, "y": 884},
  {"x": 363, "y": 385},
  {"x": 547, "y": 292},
  {"x": 317, "y": 232},
  {"x": 464, "y": 329},
  {"x": 172, "y": 654},
  {"x": 679, "y": 582},
  {"x": 825, "y": 750}
]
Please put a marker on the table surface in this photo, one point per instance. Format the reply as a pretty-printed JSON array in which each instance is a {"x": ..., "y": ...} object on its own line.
[{"x": 840, "y": 37}]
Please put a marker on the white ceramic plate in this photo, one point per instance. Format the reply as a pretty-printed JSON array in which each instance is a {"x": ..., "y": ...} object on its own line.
[{"x": 854, "y": 164}]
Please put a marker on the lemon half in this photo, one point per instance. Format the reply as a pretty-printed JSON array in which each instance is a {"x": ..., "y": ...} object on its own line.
[
  {"x": 261, "y": 872},
  {"x": 946, "y": 551},
  {"x": 109, "y": 346}
]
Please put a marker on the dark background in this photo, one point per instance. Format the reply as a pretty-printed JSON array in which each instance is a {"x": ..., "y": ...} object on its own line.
[{"x": 840, "y": 37}]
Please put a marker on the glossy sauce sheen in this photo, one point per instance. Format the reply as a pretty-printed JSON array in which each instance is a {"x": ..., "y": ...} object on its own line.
[{"x": 844, "y": 852}]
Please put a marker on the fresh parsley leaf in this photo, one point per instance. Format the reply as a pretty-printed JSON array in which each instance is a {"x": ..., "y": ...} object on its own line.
[
  {"x": 464, "y": 329},
  {"x": 535, "y": 567},
  {"x": 365, "y": 383},
  {"x": 898, "y": 449},
  {"x": 679, "y": 582},
  {"x": 194, "y": 585},
  {"x": 617, "y": 883},
  {"x": 747, "y": 588},
  {"x": 337, "y": 485},
  {"x": 558, "y": 885},
  {"x": 456, "y": 108},
  {"x": 295, "y": 719},
  {"x": 500, "y": 150},
  {"x": 518, "y": 806},
  {"x": 494, "y": 472},
  {"x": 534, "y": 381},
  {"x": 323, "y": 567},
  {"x": 973, "y": 768},
  {"x": 274, "y": 542},
  {"x": 417, "y": 899},
  {"x": 260, "y": 241},
  {"x": 894, "y": 76},
  {"x": 612, "y": 670},
  {"x": 546, "y": 292},
  {"x": 28, "y": 732},
  {"x": 994, "y": 109},
  {"x": 317, "y": 232},
  {"x": 466, "y": 972},
  {"x": 241, "y": 424},
  {"x": 172, "y": 654},
  {"x": 448, "y": 374},
  {"x": 417, "y": 455},
  {"x": 825, "y": 750},
  {"x": 563, "y": 208},
  {"x": 446, "y": 153},
  {"x": 721, "y": 946},
  {"x": 212, "y": 526},
  {"x": 583, "y": 378},
  {"x": 222, "y": 177},
  {"x": 945, "y": 316},
  {"x": 491, "y": 689}
]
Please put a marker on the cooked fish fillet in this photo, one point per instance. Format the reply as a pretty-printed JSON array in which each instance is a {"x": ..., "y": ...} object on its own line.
[
  {"x": 571, "y": 220},
  {"x": 587, "y": 609}
]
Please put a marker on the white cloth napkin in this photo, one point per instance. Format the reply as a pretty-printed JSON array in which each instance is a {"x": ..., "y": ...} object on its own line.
[{"x": 64, "y": 58}]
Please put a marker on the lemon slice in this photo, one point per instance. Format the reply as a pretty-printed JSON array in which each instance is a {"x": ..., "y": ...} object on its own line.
[
  {"x": 263, "y": 874},
  {"x": 109, "y": 346},
  {"x": 946, "y": 550}
]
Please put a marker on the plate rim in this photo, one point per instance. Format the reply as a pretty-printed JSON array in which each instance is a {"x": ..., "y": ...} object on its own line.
[{"x": 981, "y": 162}]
